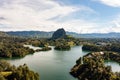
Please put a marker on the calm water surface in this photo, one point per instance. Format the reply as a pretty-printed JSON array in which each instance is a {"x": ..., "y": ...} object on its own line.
[
  {"x": 114, "y": 65},
  {"x": 53, "y": 64}
]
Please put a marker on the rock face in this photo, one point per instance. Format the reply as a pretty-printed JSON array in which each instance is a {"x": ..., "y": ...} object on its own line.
[{"x": 60, "y": 33}]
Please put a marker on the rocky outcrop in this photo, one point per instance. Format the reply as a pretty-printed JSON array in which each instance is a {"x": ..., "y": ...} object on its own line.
[{"x": 60, "y": 33}]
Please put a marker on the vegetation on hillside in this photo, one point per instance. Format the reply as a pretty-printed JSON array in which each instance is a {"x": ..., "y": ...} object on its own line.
[
  {"x": 115, "y": 47},
  {"x": 13, "y": 47},
  {"x": 22, "y": 72},
  {"x": 62, "y": 47},
  {"x": 92, "y": 67}
]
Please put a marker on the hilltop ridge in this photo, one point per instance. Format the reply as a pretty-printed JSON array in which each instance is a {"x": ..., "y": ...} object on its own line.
[
  {"x": 43, "y": 34},
  {"x": 60, "y": 33}
]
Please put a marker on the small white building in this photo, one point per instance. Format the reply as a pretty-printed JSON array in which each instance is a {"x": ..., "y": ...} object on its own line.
[{"x": 101, "y": 53}]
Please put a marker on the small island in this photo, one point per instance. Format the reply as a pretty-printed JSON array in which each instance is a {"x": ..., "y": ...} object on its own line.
[
  {"x": 92, "y": 67},
  {"x": 62, "y": 47}
]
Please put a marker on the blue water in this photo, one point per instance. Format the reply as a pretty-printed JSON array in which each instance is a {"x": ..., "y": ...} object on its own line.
[{"x": 53, "y": 64}]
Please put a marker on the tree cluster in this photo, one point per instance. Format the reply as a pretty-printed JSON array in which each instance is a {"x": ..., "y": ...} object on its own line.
[
  {"x": 13, "y": 47},
  {"x": 93, "y": 69},
  {"x": 22, "y": 72},
  {"x": 115, "y": 47}
]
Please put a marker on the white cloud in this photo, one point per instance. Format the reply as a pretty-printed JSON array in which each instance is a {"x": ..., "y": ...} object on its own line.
[
  {"x": 115, "y": 24},
  {"x": 32, "y": 14},
  {"x": 113, "y": 3},
  {"x": 19, "y": 15},
  {"x": 80, "y": 26}
]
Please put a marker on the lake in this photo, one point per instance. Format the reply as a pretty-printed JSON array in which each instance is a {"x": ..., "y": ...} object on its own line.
[
  {"x": 114, "y": 65},
  {"x": 53, "y": 64}
]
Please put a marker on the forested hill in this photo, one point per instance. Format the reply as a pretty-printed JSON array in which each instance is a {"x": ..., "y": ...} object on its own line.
[
  {"x": 3, "y": 34},
  {"x": 42, "y": 34},
  {"x": 33, "y": 34}
]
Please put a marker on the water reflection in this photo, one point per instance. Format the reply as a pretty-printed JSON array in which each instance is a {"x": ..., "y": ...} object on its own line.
[{"x": 114, "y": 65}]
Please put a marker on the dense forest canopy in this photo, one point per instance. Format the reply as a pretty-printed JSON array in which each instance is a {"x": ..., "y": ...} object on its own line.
[
  {"x": 92, "y": 67},
  {"x": 11, "y": 72}
]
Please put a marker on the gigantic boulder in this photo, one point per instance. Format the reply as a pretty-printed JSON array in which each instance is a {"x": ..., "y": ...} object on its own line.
[{"x": 60, "y": 33}]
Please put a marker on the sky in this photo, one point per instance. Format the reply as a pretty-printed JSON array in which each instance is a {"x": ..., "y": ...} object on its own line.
[{"x": 81, "y": 16}]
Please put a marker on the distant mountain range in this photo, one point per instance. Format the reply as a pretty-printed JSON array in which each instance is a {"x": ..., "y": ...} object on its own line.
[
  {"x": 31, "y": 34},
  {"x": 42, "y": 34}
]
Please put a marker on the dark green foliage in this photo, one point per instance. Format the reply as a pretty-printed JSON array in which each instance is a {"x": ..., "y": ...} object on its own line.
[
  {"x": 37, "y": 42},
  {"x": 14, "y": 50},
  {"x": 106, "y": 47},
  {"x": 17, "y": 73},
  {"x": 23, "y": 73},
  {"x": 43, "y": 49},
  {"x": 91, "y": 47},
  {"x": 4, "y": 66},
  {"x": 106, "y": 55},
  {"x": 62, "y": 44},
  {"x": 62, "y": 47},
  {"x": 13, "y": 47},
  {"x": 93, "y": 68}
]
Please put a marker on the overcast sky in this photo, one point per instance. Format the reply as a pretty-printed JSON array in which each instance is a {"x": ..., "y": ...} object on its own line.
[{"x": 81, "y": 16}]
